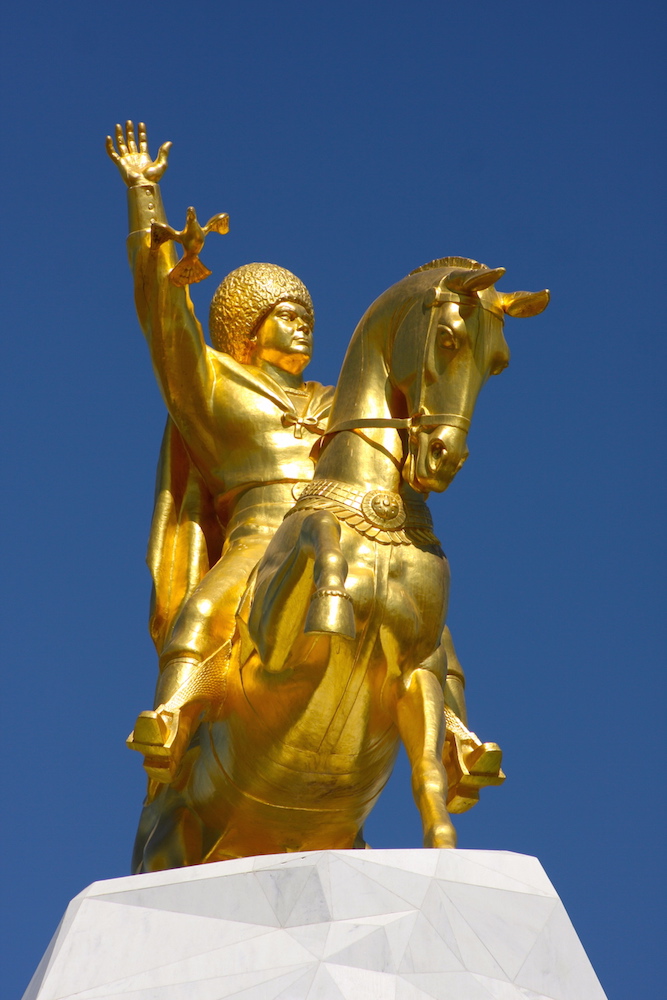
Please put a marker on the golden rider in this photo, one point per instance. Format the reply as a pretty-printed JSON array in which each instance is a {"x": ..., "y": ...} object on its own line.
[
  {"x": 239, "y": 440},
  {"x": 242, "y": 427}
]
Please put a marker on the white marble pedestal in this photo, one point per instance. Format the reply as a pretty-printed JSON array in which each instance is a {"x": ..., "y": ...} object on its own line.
[{"x": 328, "y": 925}]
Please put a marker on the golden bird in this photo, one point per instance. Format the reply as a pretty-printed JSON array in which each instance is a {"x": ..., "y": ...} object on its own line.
[{"x": 189, "y": 269}]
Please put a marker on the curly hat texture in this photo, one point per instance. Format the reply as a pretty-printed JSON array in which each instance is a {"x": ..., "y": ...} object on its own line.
[{"x": 242, "y": 301}]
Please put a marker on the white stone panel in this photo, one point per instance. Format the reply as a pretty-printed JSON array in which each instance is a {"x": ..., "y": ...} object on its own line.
[
  {"x": 495, "y": 870},
  {"x": 427, "y": 951},
  {"x": 558, "y": 962},
  {"x": 496, "y": 923},
  {"x": 311, "y": 905},
  {"x": 329, "y": 925},
  {"x": 323, "y": 987}
]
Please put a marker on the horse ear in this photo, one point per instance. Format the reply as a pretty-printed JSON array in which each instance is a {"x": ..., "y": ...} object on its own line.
[
  {"x": 524, "y": 304},
  {"x": 467, "y": 280}
]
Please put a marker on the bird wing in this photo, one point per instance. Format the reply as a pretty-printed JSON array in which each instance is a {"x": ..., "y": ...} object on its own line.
[
  {"x": 218, "y": 224},
  {"x": 161, "y": 232}
]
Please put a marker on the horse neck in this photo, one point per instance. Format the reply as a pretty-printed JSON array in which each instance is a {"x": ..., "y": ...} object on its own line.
[{"x": 372, "y": 458}]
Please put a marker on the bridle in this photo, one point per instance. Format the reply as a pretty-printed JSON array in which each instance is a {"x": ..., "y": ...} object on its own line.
[{"x": 419, "y": 419}]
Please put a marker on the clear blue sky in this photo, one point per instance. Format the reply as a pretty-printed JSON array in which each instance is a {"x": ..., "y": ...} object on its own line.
[{"x": 352, "y": 142}]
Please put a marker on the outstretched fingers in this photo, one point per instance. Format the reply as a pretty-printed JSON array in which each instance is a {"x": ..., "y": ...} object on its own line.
[
  {"x": 131, "y": 156},
  {"x": 131, "y": 142},
  {"x": 163, "y": 153},
  {"x": 158, "y": 167},
  {"x": 120, "y": 140},
  {"x": 111, "y": 150},
  {"x": 143, "y": 139}
]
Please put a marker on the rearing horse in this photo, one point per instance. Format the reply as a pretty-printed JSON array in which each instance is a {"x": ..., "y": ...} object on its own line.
[{"x": 338, "y": 652}]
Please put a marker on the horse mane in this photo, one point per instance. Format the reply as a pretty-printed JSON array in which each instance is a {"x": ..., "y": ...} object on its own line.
[{"x": 466, "y": 262}]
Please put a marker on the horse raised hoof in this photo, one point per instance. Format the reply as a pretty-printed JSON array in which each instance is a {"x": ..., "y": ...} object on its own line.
[
  {"x": 331, "y": 613},
  {"x": 160, "y": 738}
]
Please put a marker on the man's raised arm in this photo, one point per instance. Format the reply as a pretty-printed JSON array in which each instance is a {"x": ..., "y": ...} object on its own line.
[{"x": 179, "y": 353}]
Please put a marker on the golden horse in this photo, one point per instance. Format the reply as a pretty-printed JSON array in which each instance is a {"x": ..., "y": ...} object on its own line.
[{"x": 338, "y": 654}]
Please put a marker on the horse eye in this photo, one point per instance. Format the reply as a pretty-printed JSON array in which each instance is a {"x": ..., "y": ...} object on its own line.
[{"x": 448, "y": 338}]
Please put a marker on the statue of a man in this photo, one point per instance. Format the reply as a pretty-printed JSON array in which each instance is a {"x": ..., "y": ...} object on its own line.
[
  {"x": 242, "y": 428},
  {"x": 240, "y": 441}
]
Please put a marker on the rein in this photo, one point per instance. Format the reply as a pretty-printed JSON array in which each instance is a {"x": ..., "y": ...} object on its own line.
[{"x": 402, "y": 423}]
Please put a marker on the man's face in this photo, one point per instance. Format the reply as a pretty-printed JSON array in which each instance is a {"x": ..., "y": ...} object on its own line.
[{"x": 284, "y": 338}]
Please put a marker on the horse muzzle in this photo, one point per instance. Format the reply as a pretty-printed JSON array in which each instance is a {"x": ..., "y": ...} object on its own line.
[{"x": 436, "y": 456}]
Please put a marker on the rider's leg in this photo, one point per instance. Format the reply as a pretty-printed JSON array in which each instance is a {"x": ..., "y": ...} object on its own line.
[
  {"x": 455, "y": 697},
  {"x": 193, "y": 662},
  {"x": 470, "y": 763}
]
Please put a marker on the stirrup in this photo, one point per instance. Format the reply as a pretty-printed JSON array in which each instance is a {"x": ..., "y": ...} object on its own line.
[
  {"x": 470, "y": 764},
  {"x": 154, "y": 736}
]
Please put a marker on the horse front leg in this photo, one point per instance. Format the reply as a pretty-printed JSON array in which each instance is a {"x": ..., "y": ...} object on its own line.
[
  {"x": 330, "y": 610},
  {"x": 420, "y": 719},
  {"x": 284, "y": 606}
]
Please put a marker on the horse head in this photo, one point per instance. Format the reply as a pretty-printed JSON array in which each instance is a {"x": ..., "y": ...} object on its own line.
[{"x": 447, "y": 341}]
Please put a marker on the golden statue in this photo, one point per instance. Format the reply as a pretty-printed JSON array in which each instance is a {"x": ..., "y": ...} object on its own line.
[{"x": 300, "y": 593}]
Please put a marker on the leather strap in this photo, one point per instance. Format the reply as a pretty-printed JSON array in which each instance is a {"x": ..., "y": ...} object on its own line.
[{"x": 402, "y": 423}]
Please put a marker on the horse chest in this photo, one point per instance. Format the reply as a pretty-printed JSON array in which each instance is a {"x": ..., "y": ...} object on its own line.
[{"x": 398, "y": 590}]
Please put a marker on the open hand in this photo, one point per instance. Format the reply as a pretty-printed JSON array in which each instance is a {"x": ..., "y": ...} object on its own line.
[{"x": 133, "y": 160}]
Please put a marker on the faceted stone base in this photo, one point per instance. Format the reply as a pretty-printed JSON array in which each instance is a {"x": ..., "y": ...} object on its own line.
[{"x": 327, "y": 925}]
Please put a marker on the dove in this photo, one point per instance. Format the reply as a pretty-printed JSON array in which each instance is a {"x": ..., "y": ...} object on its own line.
[{"x": 189, "y": 269}]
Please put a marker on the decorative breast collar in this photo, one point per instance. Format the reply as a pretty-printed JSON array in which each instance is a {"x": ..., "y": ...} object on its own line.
[{"x": 384, "y": 516}]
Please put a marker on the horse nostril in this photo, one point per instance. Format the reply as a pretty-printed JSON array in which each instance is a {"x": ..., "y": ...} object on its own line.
[{"x": 436, "y": 453}]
